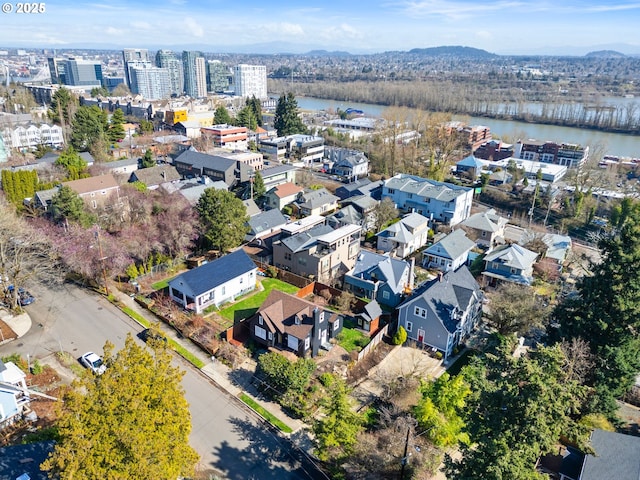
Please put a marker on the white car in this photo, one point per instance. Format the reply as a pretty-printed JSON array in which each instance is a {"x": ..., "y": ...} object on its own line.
[{"x": 93, "y": 362}]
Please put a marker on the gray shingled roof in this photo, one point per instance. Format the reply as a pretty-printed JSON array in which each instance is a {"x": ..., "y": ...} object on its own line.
[
  {"x": 385, "y": 268},
  {"x": 513, "y": 256},
  {"x": 203, "y": 160},
  {"x": 424, "y": 187},
  {"x": 617, "y": 457},
  {"x": 304, "y": 240},
  {"x": 265, "y": 221},
  {"x": 455, "y": 289},
  {"x": 316, "y": 198},
  {"x": 452, "y": 246},
  {"x": 213, "y": 274},
  {"x": 488, "y": 221}
]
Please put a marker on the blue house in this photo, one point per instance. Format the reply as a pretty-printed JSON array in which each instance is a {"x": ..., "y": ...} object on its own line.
[
  {"x": 443, "y": 312},
  {"x": 509, "y": 263},
  {"x": 379, "y": 277},
  {"x": 470, "y": 166},
  {"x": 214, "y": 283}
]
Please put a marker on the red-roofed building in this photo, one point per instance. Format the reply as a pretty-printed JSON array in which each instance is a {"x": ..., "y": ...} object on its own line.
[{"x": 282, "y": 195}]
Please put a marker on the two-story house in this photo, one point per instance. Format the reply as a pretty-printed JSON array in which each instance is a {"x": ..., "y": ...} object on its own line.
[
  {"x": 321, "y": 252},
  {"x": 509, "y": 263},
  {"x": 450, "y": 253},
  {"x": 442, "y": 202},
  {"x": 99, "y": 191},
  {"x": 405, "y": 236},
  {"x": 485, "y": 228},
  {"x": 443, "y": 312},
  {"x": 316, "y": 202},
  {"x": 281, "y": 195},
  {"x": 350, "y": 164},
  {"x": 290, "y": 323},
  {"x": 379, "y": 277},
  {"x": 215, "y": 282}
]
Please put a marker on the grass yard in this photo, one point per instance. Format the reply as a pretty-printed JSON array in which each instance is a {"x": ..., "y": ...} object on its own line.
[
  {"x": 250, "y": 304},
  {"x": 162, "y": 284},
  {"x": 352, "y": 339}
]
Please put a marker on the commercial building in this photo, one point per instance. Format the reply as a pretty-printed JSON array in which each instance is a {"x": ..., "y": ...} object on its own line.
[
  {"x": 82, "y": 72},
  {"x": 250, "y": 80},
  {"x": 218, "y": 77},
  {"x": 226, "y": 136},
  {"x": 168, "y": 59},
  {"x": 564, "y": 154},
  {"x": 134, "y": 56},
  {"x": 195, "y": 74},
  {"x": 151, "y": 82}
]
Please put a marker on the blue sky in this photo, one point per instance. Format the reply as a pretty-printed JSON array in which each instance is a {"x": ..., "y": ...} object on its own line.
[{"x": 499, "y": 26}]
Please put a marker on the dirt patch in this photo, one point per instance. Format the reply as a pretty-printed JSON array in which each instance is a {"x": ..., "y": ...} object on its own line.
[
  {"x": 361, "y": 369},
  {"x": 6, "y": 333}
]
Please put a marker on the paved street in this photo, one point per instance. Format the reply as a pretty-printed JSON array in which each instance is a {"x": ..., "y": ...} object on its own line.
[{"x": 228, "y": 436}]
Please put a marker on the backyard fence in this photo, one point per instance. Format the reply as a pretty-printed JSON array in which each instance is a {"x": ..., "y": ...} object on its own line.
[{"x": 375, "y": 340}]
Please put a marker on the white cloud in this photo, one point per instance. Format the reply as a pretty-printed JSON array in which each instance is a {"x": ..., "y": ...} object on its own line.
[
  {"x": 114, "y": 31},
  {"x": 139, "y": 25},
  {"x": 483, "y": 34},
  {"x": 288, "y": 29},
  {"x": 193, "y": 27},
  {"x": 343, "y": 30}
]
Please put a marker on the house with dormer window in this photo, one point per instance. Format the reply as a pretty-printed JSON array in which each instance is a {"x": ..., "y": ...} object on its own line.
[
  {"x": 403, "y": 238},
  {"x": 443, "y": 312},
  {"x": 289, "y": 323}
]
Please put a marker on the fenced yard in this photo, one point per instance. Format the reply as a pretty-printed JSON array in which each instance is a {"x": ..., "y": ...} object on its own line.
[{"x": 250, "y": 304}]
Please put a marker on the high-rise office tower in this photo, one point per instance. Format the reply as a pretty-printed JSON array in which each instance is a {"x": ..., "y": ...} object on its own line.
[
  {"x": 250, "y": 80},
  {"x": 195, "y": 74},
  {"x": 217, "y": 76},
  {"x": 82, "y": 72},
  {"x": 153, "y": 83},
  {"x": 167, "y": 59},
  {"x": 131, "y": 57}
]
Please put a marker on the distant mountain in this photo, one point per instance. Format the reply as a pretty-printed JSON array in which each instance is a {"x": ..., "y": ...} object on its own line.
[
  {"x": 605, "y": 54},
  {"x": 325, "y": 53},
  {"x": 453, "y": 51}
]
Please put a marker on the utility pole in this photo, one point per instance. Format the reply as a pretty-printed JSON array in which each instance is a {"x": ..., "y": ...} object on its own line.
[
  {"x": 404, "y": 455},
  {"x": 102, "y": 259}
]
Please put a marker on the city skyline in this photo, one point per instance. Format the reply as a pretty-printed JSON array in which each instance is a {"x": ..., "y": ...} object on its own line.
[{"x": 498, "y": 26}]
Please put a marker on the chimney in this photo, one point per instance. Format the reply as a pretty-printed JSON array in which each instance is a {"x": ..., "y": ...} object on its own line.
[{"x": 316, "y": 333}]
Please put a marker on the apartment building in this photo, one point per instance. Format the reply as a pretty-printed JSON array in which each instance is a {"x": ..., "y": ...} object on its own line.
[
  {"x": 226, "y": 136},
  {"x": 250, "y": 80},
  {"x": 321, "y": 252},
  {"x": 28, "y": 138},
  {"x": 564, "y": 154}
]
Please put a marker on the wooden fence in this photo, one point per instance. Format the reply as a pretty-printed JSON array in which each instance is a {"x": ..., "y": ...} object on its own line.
[{"x": 375, "y": 340}]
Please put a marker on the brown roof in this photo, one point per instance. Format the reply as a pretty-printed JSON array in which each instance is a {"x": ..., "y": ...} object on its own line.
[
  {"x": 287, "y": 189},
  {"x": 279, "y": 312},
  {"x": 156, "y": 175},
  {"x": 92, "y": 184}
]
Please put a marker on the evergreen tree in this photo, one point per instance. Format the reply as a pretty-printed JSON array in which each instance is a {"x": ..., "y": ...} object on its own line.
[
  {"x": 68, "y": 206},
  {"x": 73, "y": 163},
  {"x": 517, "y": 411},
  {"x": 221, "y": 116},
  {"x": 258, "y": 185},
  {"x": 286, "y": 120},
  {"x": 246, "y": 118},
  {"x": 116, "y": 131},
  {"x": 147, "y": 160},
  {"x": 89, "y": 127},
  {"x": 62, "y": 107},
  {"x": 223, "y": 217},
  {"x": 605, "y": 311},
  {"x": 256, "y": 107},
  {"x": 130, "y": 422},
  {"x": 19, "y": 185}
]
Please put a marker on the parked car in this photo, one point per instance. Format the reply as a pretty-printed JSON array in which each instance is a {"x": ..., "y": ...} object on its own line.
[
  {"x": 151, "y": 334},
  {"x": 24, "y": 297},
  {"x": 93, "y": 362}
]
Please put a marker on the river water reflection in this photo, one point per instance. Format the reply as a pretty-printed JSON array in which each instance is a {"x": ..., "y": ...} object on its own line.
[{"x": 611, "y": 143}]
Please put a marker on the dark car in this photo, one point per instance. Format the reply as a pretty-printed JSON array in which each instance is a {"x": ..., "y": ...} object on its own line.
[{"x": 150, "y": 334}]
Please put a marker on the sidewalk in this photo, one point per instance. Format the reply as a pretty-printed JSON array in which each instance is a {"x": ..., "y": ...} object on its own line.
[{"x": 234, "y": 382}]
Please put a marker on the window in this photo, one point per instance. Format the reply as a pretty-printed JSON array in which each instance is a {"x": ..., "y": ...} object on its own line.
[
  {"x": 420, "y": 312},
  {"x": 409, "y": 326},
  {"x": 261, "y": 333},
  {"x": 287, "y": 256},
  {"x": 336, "y": 324},
  {"x": 306, "y": 343},
  {"x": 260, "y": 319},
  {"x": 385, "y": 295},
  {"x": 391, "y": 191},
  {"x": 270, "y": 335}
]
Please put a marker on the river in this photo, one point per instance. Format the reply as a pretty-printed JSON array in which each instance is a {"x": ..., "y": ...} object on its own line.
[{"x": 612, "y": 143}]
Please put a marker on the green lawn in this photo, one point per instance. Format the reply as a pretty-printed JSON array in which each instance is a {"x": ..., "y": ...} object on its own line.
[
  {"x": 249, "y": 305},
  {"x": 352, "y": 339},
  {"x": 162, "y": 283},
  {"x": 256, "y": 407}
]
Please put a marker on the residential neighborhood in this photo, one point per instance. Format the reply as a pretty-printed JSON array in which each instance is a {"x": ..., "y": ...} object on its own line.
[{"x": 268, "y": 279}]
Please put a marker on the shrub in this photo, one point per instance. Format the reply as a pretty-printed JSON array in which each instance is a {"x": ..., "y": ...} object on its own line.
[
  {"x": 438, "y": 355},
  {"x": 400, "y": 336},
  {"x": 272, "y": 271}
]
